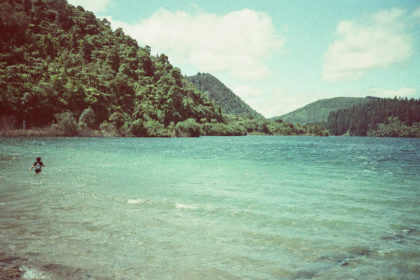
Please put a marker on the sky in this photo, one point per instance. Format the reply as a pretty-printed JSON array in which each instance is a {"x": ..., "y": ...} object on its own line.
[{"x": 280, "y": 55}]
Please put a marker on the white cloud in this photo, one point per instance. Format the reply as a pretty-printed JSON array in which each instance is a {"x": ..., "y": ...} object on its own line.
[
  {"x": 246, "y": 91},
  {"x": 377, "y": 41},
  {"x": 416, "y": 13},
  {"x": 386, "y": 93},
  {"x": 279, "y": 105},
  {"x": 273, "y": 102},
  {"x": 95, "y": 6},
  {"x": 237, "y": 43}
]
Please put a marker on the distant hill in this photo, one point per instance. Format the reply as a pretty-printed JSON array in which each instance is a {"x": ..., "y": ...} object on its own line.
[
  {"x": 318, "y": 111},
  {"x": 222, "y": 95}
]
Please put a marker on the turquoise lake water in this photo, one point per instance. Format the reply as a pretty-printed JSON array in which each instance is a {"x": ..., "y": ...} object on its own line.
[{"x": 213, "y": 207}]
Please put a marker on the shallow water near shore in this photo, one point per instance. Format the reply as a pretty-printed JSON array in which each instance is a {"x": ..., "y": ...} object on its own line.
[{"x": 213, "y": 207}]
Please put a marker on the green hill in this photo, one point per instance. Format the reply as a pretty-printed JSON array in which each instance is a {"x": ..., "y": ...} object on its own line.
[
  {"x": 222, "y": 95},
  {"x": 318, "y": 111},
  {"x": 65, "y": 72},
  {"x": 61, "y": 65}
]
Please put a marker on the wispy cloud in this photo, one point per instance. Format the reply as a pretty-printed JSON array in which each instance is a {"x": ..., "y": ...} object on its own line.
[
  {"x": 91, "y": 5},
  {"x": 376, "y": 41},
  {"x": 238, "y": 43},
  {"x": 387, "y": 93},
  {"x": 416, "y": 14}
]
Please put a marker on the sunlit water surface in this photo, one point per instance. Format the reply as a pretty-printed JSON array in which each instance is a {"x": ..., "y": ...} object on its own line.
[{"x": 213, "y": 207}]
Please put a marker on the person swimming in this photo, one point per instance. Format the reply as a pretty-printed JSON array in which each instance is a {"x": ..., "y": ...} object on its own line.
[{"x": 38, "y": 164}]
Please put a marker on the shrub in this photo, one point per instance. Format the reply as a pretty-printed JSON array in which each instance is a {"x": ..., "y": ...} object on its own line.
[
  {"x": 87, "y": 118},
  {"x": 138, "y": 129},
  {"x": 221, "y": 129},
  {"x": 117, "y": 119},
  {"x": 7, "y": 122},
  {"x": 108, "y": 129},
  {"x": 126, "y": 130},
  {"x": 188, "y": 128},
  {"x": 156, "y": 129},
  {"x": 66, "y": 123}
]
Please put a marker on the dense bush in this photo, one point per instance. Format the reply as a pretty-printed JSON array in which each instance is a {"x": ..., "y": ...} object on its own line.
[
  {"x": 66, "y": 123},
  {"x": 7, "y": 122},
  {"x": 221, "y": 129},
  {"x": 87, "y": 118},
  {"x": 156, "y": 129},
  {"x": 396, "y": 128},
  {"x": 188, "y": 128},
  {"x": 138, "y": 129}
]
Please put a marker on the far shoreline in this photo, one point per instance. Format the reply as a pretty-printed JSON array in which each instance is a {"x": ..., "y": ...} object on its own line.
[
  {"x": 91, "y": 133},
  {"x": 40, "y": 134},
  {"x": 51, "y": 132}
]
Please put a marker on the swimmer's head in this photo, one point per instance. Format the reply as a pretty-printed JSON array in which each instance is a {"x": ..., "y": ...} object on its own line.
[{"x": 38, "y": 159}]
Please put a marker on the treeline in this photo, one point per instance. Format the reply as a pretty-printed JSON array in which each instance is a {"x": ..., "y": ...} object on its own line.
[
  {"x": 64, "y": 70},
  {"x": 318, "y": 111},
  {"x": 258, "y": 126},
  {"x": 379, "y": 117}
]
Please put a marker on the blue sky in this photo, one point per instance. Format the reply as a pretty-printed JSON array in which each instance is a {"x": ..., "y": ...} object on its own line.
[{"x": 281, "y": 55}]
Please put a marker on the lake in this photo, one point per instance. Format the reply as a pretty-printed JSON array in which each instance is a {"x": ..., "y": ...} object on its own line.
[{"x": 254, "y": 207}]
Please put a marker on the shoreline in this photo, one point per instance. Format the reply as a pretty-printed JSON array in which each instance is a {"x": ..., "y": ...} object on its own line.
[
  {"x": 15, "y": 267},
  {"x": 45, "y": 132},
  {"x": 10, "y": 267},
  {"x": 97, "y": 134},
  {"x": 40, "y": 133}
]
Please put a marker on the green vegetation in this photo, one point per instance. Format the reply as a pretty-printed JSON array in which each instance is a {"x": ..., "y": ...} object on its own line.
[
  {"x": 241, "y": 118},
  {"x": 62, "y": 66},
  {"x": 222, "y": 95},
  {"x": 188, "y": 128},
  {"x": 318, "y": 111},
  {"x": 270, "y": 127},
  {"x": 380, "y": 117},
  {"x": 63, "y": 72},
  {"x": 395, "y": 128}
]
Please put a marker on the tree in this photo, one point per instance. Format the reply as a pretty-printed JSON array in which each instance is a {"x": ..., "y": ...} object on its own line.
[
  {"x": 188, "y": 128},
  {"x": 155, "y": 129},
  {"x": 87, "y": 118},
  {"x": 138, "y": 129},
  {"x": 66, "y": 123},
  {"x": 86, "y": 50},
  {"x": 116, "y": 119},
  {"x": 113, "y": 59}
]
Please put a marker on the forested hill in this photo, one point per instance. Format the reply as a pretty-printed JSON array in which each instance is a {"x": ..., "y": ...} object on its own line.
[
  {"x": 222, "y": 95},
  {"x": 380, "y": 117},
  {"x": 65, "y": 72},
  {"x": 318, "y": 111},
  {"x": 60, "y": 64}
]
